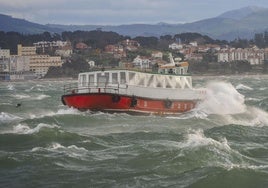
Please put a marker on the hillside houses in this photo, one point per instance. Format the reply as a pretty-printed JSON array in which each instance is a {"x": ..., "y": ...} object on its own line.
[
  {"x": 128, "y": 54},
  {"x": 120, "y": 50}
]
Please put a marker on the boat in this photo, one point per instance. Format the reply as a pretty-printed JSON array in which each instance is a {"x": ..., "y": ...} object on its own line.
[{"x": 167, "y": 91}]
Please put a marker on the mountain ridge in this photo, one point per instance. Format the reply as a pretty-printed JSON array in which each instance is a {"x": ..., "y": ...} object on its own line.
[{"x": 240, "y": 23}]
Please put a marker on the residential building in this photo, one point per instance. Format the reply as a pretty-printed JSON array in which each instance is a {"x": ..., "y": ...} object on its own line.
[
  {"x": 195, "y": 57},
  {"x": 16, "y": 68},
  {"x": 20, "y": 68},
  {"x": 117, "y": 50},
  {"x": 175, "y": 46},
  {"x": 45, "y": 47},
  {"x": 130, "y": 45},
  {"x": 125, "y": 65},
  {"x": 39, "y": 64},
  {"x": 193, "y": 43},
  {"x": 142, "y": 62},
  {"x": 26, "y": 50},
  {"x": 65, "y": 51},
  {"x": 157, "y": 55},
  {"x": 4, "y": 53},
  {"x": 254, "y": 55},
  {"x": 4, "y": 65},
  {"x": 19, "y": 63}
]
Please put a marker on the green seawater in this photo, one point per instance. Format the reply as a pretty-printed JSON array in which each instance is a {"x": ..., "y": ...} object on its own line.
[{"x": 221, "y": 143}]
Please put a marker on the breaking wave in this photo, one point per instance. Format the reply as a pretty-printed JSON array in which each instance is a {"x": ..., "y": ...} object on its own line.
[
  {"x": 243, "y": 87},
  {"x": 6, "y": 117},
  {"x": 21, "y": 96},
  {"x": 222, "y": 98},
  {"x": 68, "y": 111},
  {"x": 41, "y": 97},
  {"x": 25, "y": 129},
  {"x": 10, "y": 87},
  {"x": 216, "y": 153},
  {"x": 72, "y": 151}
]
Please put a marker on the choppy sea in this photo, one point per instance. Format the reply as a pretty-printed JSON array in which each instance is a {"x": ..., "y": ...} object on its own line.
[{"x": 221, "y": 143}]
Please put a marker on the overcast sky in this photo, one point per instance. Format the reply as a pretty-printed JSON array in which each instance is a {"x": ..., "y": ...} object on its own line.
[{"x": 115, "y": 12}]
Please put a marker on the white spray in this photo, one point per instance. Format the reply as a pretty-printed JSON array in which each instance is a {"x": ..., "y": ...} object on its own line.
[{"x": 222, "y": 98}]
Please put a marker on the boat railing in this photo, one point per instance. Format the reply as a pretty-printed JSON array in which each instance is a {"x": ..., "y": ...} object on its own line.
[{"x": 93, "y": 87}]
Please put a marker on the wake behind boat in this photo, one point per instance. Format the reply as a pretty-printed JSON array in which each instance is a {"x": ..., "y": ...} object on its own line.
[{"x": 168, "y": 91}]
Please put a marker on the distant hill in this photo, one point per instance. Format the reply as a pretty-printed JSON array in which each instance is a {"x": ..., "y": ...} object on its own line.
[
  {"x": 242, "y": 23},
  {"x": 241, "y": 13},
  {"x": 8, "y": 23}
]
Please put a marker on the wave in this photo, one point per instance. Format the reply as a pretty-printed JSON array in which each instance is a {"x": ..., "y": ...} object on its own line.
[
  {"x": 41, "y": 97},
  {"x": 29, "y": 97},
  {"x": 196, "y": 138},
  {"x": 25, "y": 129},
  {"x": 215, "y": 153},
  {"x": 263, "y": 88},
  {"x": 21, "y": 96},
  {"x": 222, "y": 98},
  {"x": 10, "y": 87},
  {"x": 243, "y": 87},
  {"x": 68, "y": 111},
  {"x": 28, "y": 90},
  {"x": 7, "y": 118},
  {"x": 189, "y": 115},
  {"x": 72, "y": 151},
  {"x": 253, "y": 99}
]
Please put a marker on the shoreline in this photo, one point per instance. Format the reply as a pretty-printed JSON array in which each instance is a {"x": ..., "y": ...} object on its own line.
[
  {"x": 193, "y": 76},
  {"x": 229, "y": 75}
]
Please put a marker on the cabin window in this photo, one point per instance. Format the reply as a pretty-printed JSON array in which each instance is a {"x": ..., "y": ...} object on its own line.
[
  {"x": 91, "y": 80},
  {"x": 141, "y": 82},
  {"x": 131, "y": 77},
  {"x": 83, "y": 80},
  {"x": 114, "y": 78},
  {"x": 102, "y": 79},
  {"x": 122, "y": 77}
]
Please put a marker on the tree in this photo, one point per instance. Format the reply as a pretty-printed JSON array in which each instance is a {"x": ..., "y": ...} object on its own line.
[{"x": 148, "y": 42}]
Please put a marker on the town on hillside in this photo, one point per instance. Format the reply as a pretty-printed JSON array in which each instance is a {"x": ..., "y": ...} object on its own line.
[{"x": 75, "y": 52}]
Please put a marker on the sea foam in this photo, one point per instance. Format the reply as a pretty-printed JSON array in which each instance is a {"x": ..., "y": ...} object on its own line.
[
  {"x": 25, "y": 129},
  {"x": 222, "y": 98},
  {"x": 243, "y": 87},
  {"x": 6, "y": 117}
]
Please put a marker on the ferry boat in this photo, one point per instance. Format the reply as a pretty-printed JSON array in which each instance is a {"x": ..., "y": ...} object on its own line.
[{"x": 168, "y": 91}]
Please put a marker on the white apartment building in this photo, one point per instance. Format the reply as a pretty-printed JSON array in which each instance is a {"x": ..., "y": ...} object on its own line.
[
  {"x": 175, "y": 46},
  {"x": 4, "y": 53},
  {"x": 157, "y": 54},
  {"x": 58, "y": 43},
  {"x": 64, "y": 52},
  {"x": 253, "y": 55},
  {"x": 26, "y": 50},
  {"x": 39, "y": 64},
  {"x": 142, "y": 62},
  {"x": 19, "y": 63}
]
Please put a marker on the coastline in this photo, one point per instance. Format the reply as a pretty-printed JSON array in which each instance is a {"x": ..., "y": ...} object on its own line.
[{"x": 194, "y": 76}]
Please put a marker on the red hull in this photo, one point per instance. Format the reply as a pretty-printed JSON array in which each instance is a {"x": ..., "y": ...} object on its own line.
[{"x": 128, "y": 104}]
